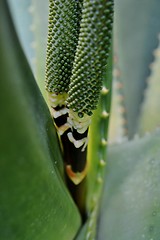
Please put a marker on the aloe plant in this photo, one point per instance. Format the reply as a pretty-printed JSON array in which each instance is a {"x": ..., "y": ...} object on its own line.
[{"x": 117, "y": 200}]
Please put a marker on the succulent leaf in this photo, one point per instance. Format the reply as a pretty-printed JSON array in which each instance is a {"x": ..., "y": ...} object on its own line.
[
  {"x": 130, "y": 207},
  {"x": 34, "y": 201},
  {"x": 135, "y": 32},
  {"x": 150, "y": 111},
  {"x": 97, "y": 151}
]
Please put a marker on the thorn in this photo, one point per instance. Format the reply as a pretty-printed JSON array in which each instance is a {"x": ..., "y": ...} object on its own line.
[
  {"x": 105, "y": 114},
  {"x": 122, "y": 110},
  {"x": 121, "y": 98},
  {"x": 119, "y": 85},
  {"x": 104, "y": 90},
  {"x": 102, "y": 163},
  {"x": 116, "y": 73},
  {"x": 104, "y": 142}
]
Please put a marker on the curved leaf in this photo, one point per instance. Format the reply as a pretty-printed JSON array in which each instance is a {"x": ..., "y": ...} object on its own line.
[
  {"x": 34, "y": 202},
  {"x": 131, "y": 201},
  {"x": 136, "y": 29},
  {"x": 149, "y": 117},
  {"x": 97, "y": 154}
]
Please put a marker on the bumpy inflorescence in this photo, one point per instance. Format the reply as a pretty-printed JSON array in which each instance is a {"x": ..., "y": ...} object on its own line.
[
  {"x": 63, "y": 31},
  {"x": 91, "y": 56},
  {"x": 79, "y": 37}
]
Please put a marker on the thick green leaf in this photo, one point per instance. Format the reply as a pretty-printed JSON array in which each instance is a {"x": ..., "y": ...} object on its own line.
[
  {"x": 150, "y": 112},
  {"x": 131, "y": 201},
  {"x": 98, "y": 136},
  {"x": 34, "y": 202},
  {"x": 136, "y": 29},
  {"x": 97, "y": 156}
]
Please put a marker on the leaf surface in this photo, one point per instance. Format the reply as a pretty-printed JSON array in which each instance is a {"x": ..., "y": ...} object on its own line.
[
  {"x": 34, "y": 202},
  {"x": 130, "y": 206},
  {"x": 136, "y": 30},
  {"x": 150, "y": 112}
]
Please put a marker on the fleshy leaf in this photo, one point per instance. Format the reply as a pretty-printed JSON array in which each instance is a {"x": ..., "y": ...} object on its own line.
[
  {"x": 136, "y": 29},
  {"x": 130, "y": 206},
  {"x": 34, "y": 202},
  {"x": 97, "y": 155},
  {"x": 150, "y": 112}
]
